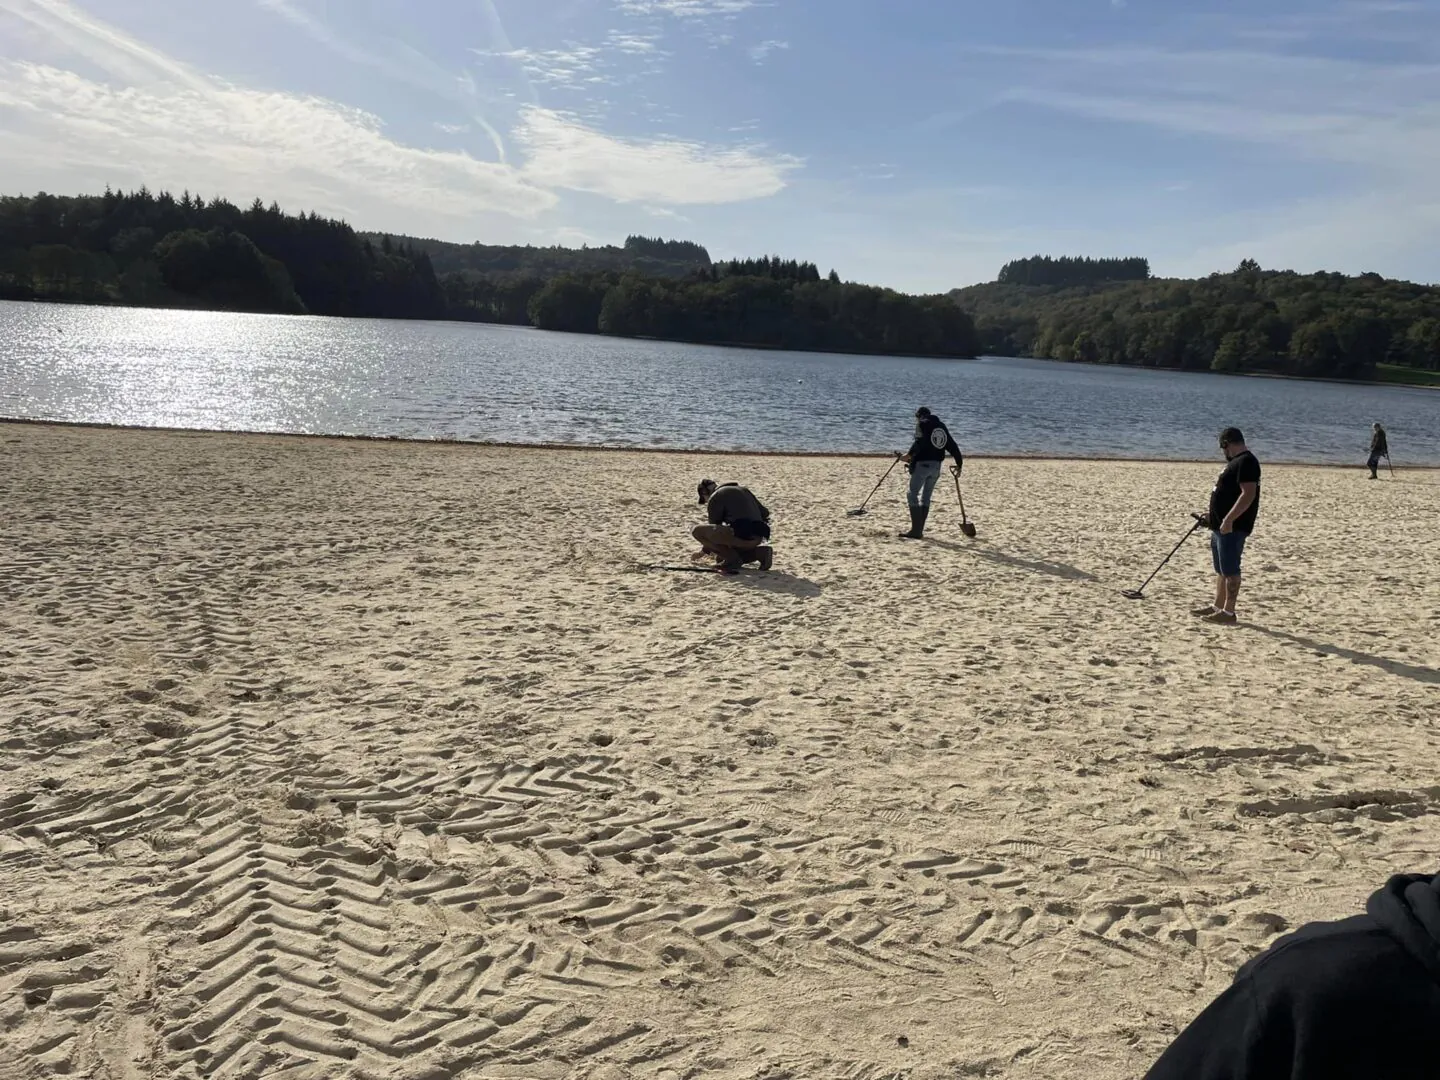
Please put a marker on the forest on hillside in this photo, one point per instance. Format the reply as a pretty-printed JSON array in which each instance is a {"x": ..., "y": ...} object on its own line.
[
  {"x": 1250, "y": 320},
  {"x": 651, "y": 256},
  {"x": 156, "y": 250},
  {"x": 1068, "y": 270}
]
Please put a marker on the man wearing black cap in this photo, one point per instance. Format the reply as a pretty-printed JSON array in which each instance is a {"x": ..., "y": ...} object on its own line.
[
  {"x": 739, "y": 526},
  {"x": 927, "y": 454},
  {"x": 1234, "y": 505}
]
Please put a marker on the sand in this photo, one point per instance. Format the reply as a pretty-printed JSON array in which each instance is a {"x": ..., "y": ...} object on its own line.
[{"x": 328, "y": 758}]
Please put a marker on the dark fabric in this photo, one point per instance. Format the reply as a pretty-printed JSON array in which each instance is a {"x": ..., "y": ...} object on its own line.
[
  {"x": 1243, "y": 468},
  {"x": 1379, "y": 445},
  {"x": 933, "y": 442},
  {"x": 731, "y": 503},
  {"x": 1349, "y": 1000},
  {"x": 751, "y": 529}
]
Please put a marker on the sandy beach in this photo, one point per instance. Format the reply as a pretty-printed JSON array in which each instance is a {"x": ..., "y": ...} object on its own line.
[{"x": 330, "y": 759}]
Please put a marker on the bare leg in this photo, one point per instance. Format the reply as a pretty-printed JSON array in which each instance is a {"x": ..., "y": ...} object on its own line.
[
  {"x": 1220, "y": 594},
  {"x": 1232, "y": 593}
]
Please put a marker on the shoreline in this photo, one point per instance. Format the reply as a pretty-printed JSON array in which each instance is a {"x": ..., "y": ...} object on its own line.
[{"x": 548, "y": 447}]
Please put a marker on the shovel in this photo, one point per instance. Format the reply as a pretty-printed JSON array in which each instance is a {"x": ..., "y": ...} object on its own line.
[{"x": 965, "y": 526}]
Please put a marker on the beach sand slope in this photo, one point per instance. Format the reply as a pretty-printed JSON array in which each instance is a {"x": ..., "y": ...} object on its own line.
[{"x": 328, "y": 759}]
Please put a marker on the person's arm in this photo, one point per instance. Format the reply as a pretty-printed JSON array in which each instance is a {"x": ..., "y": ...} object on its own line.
[
  {"x": 716, "y": 509},
  {"x": 959, "y": 457},
  {"x": 915, "y": 448},
  {"x": 1248, "y": 491}
]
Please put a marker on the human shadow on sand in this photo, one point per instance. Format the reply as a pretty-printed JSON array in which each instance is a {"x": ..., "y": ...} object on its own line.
[
  {"x": 775, "y": 581},
  {"x": 1034, "y": 566},
  {"x": 1418, "y": 672}
]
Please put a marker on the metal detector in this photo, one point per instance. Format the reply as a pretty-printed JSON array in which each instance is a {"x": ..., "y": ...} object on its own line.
[
  {"x": 860, "y": 510},
  {"x": 1139, "y": 594}
]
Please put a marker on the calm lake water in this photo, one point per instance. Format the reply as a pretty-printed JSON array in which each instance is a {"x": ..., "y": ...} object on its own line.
[{"x": 463, "y": 381}]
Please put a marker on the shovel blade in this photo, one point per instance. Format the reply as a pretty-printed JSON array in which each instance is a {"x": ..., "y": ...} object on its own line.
[
  {"x": 855, "y": 513},
  {"x": 968, "y": 530},
  {"x": 1133, "y": 594}
]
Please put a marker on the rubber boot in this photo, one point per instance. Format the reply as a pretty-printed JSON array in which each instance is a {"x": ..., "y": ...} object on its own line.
[
  {"x": 767, "y": 556},
  {"x": 918, "y": 514}
]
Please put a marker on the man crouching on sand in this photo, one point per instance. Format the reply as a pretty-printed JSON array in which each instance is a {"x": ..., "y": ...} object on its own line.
[{"x": 739, "y": 526}]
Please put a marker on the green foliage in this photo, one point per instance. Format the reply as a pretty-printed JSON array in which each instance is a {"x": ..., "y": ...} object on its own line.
[
  {"x": 569, "y": 304},
  {"x": 681, "y": 252},
  {"x": 87, "y": 248},
  {"x": 1316, "y": 325},
  {"x": 771, "y": 267},
  {"x": 225, "y": 270},
  {"x": 1068, "y": 270},
  {"x": 653, "y": 258},
  {"x": 784, "y": 312}
]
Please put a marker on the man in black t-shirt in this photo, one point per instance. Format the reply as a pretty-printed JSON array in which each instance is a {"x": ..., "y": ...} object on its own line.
[{"x": 1234, "y": 505}]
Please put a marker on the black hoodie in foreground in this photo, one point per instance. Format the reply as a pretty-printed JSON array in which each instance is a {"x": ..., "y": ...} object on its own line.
[{"x": 1351, "y": 1000}]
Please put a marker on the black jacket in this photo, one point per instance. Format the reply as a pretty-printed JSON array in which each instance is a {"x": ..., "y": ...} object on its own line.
[
  {"x": 1379, "y": 445},
  {"x": 1349, "y": 1000},
  {"x": 737, "y": 506},
  {"x": 932, "y": 440}
]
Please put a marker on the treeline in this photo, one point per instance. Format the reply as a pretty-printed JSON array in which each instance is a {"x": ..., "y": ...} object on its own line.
[
  {"x": 784, "y": 312},
  {"x": 653, "y": 257},
  {"x": 158, "y": 250},
  {"x": 769, "y": 267},
  {"x": 1068, "y": 270},
  {"x": 1250, "y": 320}
]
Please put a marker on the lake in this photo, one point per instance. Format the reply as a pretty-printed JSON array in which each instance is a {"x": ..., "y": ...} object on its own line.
[{"x": 276, "y": 373}]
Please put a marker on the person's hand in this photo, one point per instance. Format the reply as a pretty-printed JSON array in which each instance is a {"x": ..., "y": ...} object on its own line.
[
  {"x": 1227, "y": 527},
  {"x": 700, "y": 556},
  {"x": 905, "y": 458},
  {"x": 955, "y": 469}
]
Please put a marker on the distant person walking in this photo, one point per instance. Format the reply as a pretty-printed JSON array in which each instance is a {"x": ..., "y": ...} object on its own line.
[
  {"x": 739, "y": 526},
  {"x": 1379, "y": 448},
  {"x": 924, "y": 460},
  {"x": 1234, "y": 506}
]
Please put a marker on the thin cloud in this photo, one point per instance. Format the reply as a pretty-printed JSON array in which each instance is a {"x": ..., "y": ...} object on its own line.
[
  {"x": 759, "y": 53},
  {"x": 570, "y": 67},
  {"x": 1380, "y": 116},
  {"x": 664, "y": 171},
  {"x": 407, "y": 67},
  {"x": 578, "y": 66},
  {"x": 688, "y": 9},
  {"x": 302, "y": 150}
]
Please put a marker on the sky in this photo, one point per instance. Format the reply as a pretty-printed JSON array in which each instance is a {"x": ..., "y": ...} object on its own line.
[{"x": 918, "y": 144}]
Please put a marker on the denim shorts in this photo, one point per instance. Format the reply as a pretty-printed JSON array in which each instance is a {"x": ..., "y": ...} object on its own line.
[{"x": 1225, "y": 552}]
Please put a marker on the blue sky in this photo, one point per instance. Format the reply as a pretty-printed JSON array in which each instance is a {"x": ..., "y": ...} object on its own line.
[{"x": 912, "y": 143}]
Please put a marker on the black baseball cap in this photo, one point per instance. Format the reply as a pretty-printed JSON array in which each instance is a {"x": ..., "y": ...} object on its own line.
[
  {"x": 1231, "y": 435},
  {"x": 922, "y": 412},
  {"x": 704, "y": 489}
]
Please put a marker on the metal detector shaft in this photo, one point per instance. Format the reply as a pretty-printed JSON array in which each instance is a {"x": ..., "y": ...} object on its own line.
[
  {"x": 1173, "y": 550},
  {"x": 878, "y": 486},
  {"x": 1392, "y": 466}
]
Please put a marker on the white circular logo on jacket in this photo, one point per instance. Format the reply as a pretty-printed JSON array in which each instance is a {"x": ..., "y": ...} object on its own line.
[{"x": 939, "y": 438}]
